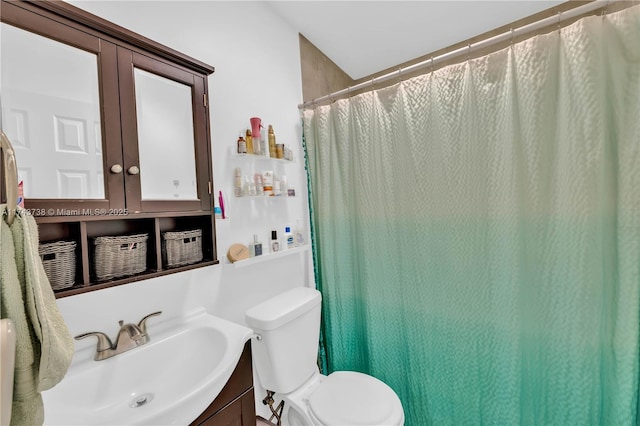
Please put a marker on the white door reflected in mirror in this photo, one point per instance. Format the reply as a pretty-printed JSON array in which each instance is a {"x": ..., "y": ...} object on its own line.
[
  {"x": 165, "y": 138},
  {"x": 50, "y": 107}
]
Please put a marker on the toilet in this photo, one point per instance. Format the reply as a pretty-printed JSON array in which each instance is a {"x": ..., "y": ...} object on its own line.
[{"x": 285, "y": 351}]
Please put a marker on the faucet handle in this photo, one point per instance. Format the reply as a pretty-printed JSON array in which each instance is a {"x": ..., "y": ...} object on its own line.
[
  {"x": 142, "y": 325},
  {"x": 104, "y": 342}
]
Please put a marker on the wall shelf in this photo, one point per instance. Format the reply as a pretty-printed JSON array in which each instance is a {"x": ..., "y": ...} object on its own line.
[
  {"x": 263, "y": 197},
  {"x": 271, "y": 256},
  {"x": 248, "y": 157}
]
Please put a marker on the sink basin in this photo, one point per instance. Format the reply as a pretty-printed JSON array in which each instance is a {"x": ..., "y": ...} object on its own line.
[{"x": 170, "y": 380}]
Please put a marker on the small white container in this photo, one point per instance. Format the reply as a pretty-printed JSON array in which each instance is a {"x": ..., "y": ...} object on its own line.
[{"x": 288, "y": 236}]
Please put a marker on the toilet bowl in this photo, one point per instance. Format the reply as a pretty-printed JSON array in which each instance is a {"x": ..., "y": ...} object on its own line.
[
  {"x": 344, "y": 398},
  {"x": 285, "y": 350}
]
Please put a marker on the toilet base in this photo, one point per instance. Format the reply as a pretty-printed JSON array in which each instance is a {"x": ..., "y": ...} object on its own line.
[{"x": 296, "y": 411}]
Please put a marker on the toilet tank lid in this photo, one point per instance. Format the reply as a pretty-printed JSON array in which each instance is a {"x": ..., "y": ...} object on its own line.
[{"x": 281, "y": 309}]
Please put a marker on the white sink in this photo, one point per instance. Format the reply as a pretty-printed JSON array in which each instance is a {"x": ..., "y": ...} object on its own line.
[{"x": 170, "y": 380}]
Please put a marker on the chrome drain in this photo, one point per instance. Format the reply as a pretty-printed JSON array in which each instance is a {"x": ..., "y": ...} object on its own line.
[{"x": 141, "y": 400}]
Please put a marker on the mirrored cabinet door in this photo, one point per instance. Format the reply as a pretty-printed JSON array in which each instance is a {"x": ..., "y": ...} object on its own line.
[
  {"x": 52, "y": 115},
  {"x": 164, "y": 118},
  {"x": 165, "y": 135},
  {"x": 63, "y": 132}
]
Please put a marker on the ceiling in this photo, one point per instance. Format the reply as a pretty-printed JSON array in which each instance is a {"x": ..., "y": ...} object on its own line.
[{"x": 364, "y": 37}]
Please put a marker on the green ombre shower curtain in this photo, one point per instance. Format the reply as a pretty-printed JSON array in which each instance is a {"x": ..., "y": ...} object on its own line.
[{"x": 477, "y": 232}]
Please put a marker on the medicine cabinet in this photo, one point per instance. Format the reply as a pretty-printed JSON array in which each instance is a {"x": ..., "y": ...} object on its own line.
[{"x": 110, "y": 130}]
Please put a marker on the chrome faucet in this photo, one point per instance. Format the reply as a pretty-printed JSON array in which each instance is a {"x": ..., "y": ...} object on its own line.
[{"x": 130, "y": 336}]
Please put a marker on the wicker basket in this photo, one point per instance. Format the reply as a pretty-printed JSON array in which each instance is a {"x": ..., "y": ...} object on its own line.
[
  {"x": 120, "y": 256},
  {"x": 182, "y": 248},
  {"x": 59, "y": 261}
]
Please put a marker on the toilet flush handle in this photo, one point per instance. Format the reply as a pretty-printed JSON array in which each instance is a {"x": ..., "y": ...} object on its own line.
[{"x": 257, "y": 336}]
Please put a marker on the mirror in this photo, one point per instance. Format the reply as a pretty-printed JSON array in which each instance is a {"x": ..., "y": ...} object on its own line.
[
  {"x": 165, "y": 138},
  {"x": 50, "y": 110}
]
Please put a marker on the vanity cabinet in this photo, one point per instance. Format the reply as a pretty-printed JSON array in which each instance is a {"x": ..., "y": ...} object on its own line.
[
  {"x": 235, "y": 405},
  {"x": 111, "y": 134}
]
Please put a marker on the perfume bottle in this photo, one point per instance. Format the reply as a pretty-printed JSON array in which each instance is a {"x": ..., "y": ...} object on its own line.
[
  {"x": 255, "y": 248},
  {"x": 275, "y": 245},
  {"x": 249, "y": 141},
  {"x": 242, "y": 145}
]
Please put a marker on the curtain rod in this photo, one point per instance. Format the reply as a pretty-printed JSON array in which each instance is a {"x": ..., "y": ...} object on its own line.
[{"x": 525, "y": 29}]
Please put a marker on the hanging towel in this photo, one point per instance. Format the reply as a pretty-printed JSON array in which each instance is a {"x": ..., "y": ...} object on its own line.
[{"x": 44, "y": 347}]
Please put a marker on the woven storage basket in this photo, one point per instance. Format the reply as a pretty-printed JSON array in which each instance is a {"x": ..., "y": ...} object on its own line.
[
  {"x": 120, "y": 256},
  {"x": 182, "y": 248},
  {"x": 59, "y": 261}
]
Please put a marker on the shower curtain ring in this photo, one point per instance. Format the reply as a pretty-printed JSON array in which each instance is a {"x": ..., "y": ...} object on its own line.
[
  {"x": 432, "y": 68},
  {"x": 511, "y": 30},
  {"x": 559, "y": 19},
  {"x": 468, "y": 51},
  {"x": 400, "y": 74}
]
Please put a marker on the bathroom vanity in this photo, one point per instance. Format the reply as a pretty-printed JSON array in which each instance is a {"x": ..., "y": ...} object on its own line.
[
  {"x": 197, "y": 366},
  {"x": 235, "y": 404}
]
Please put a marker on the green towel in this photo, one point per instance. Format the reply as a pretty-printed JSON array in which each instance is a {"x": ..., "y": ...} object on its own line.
[{"x": 44, "y": 347}]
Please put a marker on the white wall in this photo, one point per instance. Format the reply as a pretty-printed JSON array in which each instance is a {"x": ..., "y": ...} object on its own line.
[{"x": 256, "y": 56}]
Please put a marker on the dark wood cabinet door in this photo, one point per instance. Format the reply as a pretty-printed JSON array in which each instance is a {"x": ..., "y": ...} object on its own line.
[
  {"x": 164, "y": 157},
  {"x": 62, "y": 150}
]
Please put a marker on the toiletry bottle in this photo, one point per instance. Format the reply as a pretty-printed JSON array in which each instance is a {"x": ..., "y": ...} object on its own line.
[
  {"x": 242, "y": 145},
  {"x": 275, "y": 245},
  {"x": 284, "y": 187},
  {"x": 289, "y": 237},
  {"x": 276, "y": 188},
  {"x": 264, "y": 147},
  {"x": 258, "y": 179},
  {"x": 237, "y": 183},
  {"x": 298, "y": 235},
  {"x": 267, "y": 182},
  {"x": 272, "y": 142},
  {"x": 246, "y": 188},
  {"x": 249, "y": 140},
  {"x": 255, "y": 248},
  {"x": 280, "y": 150}
]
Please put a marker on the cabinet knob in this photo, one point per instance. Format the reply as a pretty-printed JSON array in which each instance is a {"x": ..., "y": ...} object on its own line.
[
  {"x": 133, "y": 170},
  {"x": 116, "y": 169}
]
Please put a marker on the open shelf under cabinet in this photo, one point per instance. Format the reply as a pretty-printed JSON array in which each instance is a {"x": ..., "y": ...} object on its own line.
[{"x": 83, "y": 231}]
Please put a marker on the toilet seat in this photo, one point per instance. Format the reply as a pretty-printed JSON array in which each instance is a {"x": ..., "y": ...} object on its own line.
[{"x": 351, "y": 398}]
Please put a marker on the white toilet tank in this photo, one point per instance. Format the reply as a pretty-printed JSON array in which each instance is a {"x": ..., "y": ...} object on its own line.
[{"x": 286, "y": 352}]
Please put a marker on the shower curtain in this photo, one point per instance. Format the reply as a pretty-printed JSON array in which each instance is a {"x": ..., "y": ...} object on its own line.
[{"x": 477, "y": 232}]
